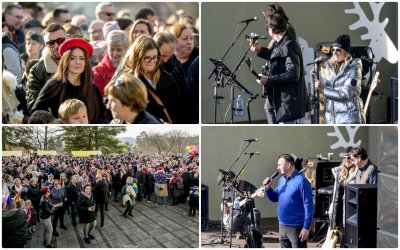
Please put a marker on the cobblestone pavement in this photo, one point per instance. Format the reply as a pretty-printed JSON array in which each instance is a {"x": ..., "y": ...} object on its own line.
[{"x": 152, "y": 226}]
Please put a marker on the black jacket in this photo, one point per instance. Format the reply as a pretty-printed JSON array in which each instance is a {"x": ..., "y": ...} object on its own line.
[
  {"x": 14, "y": 228},
  {"x": 45, "y": 208},
  {"x": 100, "y": 192},
  {"x": 86, "y": 216},
  {"x": 142, "y": 118},
  {"x": 286, "y": 77},
  {"x": 149, "y": 181},
  {"x": 34, "y": 193},
  {"x": 72, "y": 193}
]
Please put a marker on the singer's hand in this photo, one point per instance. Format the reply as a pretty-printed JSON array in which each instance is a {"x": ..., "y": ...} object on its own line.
[
  {"x": 256, "y": 46},
  {"x": 319, "y": 85},
  {"x": 304, "y": 234},
  {"x": 267, "y": 183},
  {"x": 263, "y": 80}
]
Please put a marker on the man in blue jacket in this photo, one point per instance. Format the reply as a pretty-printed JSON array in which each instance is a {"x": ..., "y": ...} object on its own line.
[{"x": 295, "y": 204}]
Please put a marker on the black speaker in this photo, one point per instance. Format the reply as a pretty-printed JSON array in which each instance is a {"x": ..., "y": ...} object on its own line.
[
  {"x": 361, "y": 214},
  {"x": 394, "y": 99},
  {"x": 204, "y": 207}
]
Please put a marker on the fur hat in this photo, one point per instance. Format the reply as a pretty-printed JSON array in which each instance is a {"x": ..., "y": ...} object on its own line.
[
  {"x": 343, "y": 41},
  {"x": 76, "y": 42}
]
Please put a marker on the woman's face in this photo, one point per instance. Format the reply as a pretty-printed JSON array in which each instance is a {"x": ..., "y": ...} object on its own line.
[
  {"x": 76, "y": 63},
  {"x": 338, "y": 54},
  {"x": 116, "y": 52},
  {"x": 118, "y": 110},
  {"x": 88, "y": 189},
  {"x": 348, "y": 162},
  {"x": 149, "y": 60},
  {"x": 33, "y": 47},
  {"x": 17, "y": 183},
  {"x": 185, "y": 42}
]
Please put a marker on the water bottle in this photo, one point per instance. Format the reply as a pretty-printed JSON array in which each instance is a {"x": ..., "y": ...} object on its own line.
[
  {"x": 239, "y": 106},
  {"x": 236, "y": 204}
]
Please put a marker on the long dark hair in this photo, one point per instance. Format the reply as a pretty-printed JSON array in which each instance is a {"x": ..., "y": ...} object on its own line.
[{"x": 88, "y": 95}]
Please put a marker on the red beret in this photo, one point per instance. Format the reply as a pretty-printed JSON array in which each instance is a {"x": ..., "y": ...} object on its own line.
[
  {"x": 44, "y": 190},
  {"x": 160, "y": 169},
  {"x": 76, "y": 42}
]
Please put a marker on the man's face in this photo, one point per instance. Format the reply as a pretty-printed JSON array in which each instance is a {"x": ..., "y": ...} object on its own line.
[
  {"x": 96, "y": 32},
  {"x": 14, "y": 18},
  {"x": 283, "y": 166},
  {"x": 64, "y": 18},
  {"x": 107, "y": 13},
  {"x": 357, "y": 160},
  {"x": 53, "y": 42}
]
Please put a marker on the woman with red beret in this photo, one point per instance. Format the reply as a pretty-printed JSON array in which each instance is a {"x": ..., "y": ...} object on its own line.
[{"x": 72, "y": 80}]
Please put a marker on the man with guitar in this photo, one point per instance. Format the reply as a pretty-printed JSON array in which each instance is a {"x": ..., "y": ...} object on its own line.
[
  {"x": 295, "y": 204},
  {"x": 285, "y": 76}
]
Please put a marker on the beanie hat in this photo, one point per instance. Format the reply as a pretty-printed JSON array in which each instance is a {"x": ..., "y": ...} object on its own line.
[
  {"x": 44, "y": 190},
  {"x": 160, "y": 169},
  {"x": 343, "y": 41},
  {"x": 10, "y": 203},
  {"x": 76, "y": 42},
  {"x": 110, "y": 26}
]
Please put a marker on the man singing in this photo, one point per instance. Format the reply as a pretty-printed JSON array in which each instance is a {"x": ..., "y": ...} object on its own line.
[
  {"x": 295, "y": 204},
  {"x": 286, "y": 73}
]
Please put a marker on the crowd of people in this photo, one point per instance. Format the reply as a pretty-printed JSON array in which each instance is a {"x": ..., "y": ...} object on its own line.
[
  {"x": 40, "y": 189},
  {"x": 118, "y": 68}
]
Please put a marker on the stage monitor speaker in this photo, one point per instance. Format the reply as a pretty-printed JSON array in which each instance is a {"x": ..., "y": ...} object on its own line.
[
  {"x": 204, "y": 207},
  {"x": 361, "y": 215}
]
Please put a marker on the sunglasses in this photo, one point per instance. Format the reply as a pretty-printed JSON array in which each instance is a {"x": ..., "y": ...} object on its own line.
[
  {"x": 148, "y": 59},
  {"x": 51, "y": 43},
  {"x": 109, "y": 14},
  {"x": 336, "y": 50}
]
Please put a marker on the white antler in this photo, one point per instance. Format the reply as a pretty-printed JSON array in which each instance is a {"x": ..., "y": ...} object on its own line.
[
  {"x": 380, "y": 42},
  {"x": 351, "y": 131}
]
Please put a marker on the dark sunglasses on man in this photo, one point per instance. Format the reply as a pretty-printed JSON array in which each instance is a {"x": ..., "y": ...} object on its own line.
[
  {"x": 109, "y": 14},
  {"x": 51, "y": 43}
]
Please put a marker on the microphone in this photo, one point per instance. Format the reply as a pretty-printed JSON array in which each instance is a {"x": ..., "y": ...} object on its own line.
[
  {"x": 368, "y": 60},
  {"x": 272, "y": 177},
  {"x": 253, "y": 153},
  {"x": 255, "y": 36},
  {"x": 250, "y": 20},
  {"x": 316, "y": 61},
  {"x": 251, "y": 140}
]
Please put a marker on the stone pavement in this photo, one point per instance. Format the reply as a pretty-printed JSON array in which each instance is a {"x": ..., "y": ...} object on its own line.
[{"x": 152, "y": 226}]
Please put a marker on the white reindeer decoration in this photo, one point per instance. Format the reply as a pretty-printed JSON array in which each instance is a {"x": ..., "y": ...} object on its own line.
[
  {"x": 342, "y": 143},
  {"x": 381, "y": 44}
]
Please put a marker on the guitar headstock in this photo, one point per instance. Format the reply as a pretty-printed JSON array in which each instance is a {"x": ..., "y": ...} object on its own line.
[{"x": 375, "y": 81}]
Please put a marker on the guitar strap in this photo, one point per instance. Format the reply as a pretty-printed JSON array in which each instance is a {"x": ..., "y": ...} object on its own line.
[{"x": 362, "y": 179}]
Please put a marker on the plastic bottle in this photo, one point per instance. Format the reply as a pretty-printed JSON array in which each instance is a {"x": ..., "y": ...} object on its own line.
[
  {"x": 239, "y": 106},
  {"x": 236, "y": 204}
]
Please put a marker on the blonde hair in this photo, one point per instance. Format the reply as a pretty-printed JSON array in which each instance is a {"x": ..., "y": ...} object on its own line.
[
  {"x": 130, "y": 90},
  {"x": 344, "y": 173},
  {"x": 70, "y": 107}
]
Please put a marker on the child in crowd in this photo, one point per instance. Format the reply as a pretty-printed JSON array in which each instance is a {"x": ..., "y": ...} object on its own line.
[
  {"x": 193, "y": 200},
  {"x": 41, "y": 117},
  {"x": 73, "y": 111}
]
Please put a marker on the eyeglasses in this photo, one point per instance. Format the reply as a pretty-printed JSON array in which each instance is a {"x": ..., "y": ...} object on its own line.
[
  {"x": 148, "y": 59},
  {"x": 51, "y": 43},
  {"x": 109, "y": 14},
  {"x": 337, "y": 50}
]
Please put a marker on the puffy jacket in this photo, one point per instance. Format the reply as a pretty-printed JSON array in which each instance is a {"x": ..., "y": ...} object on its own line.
[
  {"x": 342, "y": 92},
  {"x": 14, "y": 228},
  {"x": 45, "y": 208}
]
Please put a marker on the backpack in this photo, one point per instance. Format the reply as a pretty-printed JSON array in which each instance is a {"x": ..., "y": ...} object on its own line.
[{"x": 123, "y": 191}]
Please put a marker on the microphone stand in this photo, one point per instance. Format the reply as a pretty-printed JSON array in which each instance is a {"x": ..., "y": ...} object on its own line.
[
  {"x": 237, "y": 158},
  {"x": 218, "y": 75}
]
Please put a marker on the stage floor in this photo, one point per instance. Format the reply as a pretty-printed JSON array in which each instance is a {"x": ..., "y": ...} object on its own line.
[{"x": 269, "y": 229}]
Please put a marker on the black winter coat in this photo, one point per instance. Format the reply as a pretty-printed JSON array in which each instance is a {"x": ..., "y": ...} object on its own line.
[
  {"x": 34, "y": 194},
  {"x": 286, "y": 77},
  {"x": 101, "y": 191},
  {"x": 14, "y": 228},
  {"x": 72, "y": 193},
  {"x": 45, "y": 208},
  {"x": 149, "y": 181},
  {"x": 86, "y": 216}
]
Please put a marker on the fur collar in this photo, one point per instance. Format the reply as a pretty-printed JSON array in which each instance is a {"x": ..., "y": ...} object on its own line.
[{"x": 49, "y": 64}]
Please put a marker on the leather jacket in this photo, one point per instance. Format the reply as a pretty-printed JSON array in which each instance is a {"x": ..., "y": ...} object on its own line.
[{"x": 342, "y": 92}]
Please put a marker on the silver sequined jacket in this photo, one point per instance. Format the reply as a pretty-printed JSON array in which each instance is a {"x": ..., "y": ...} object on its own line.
[{"x": 342, "y": 93}]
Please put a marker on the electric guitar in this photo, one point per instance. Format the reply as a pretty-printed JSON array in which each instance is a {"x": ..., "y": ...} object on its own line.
[
  {"x": 267, "y": 91},
  {"x": 372, "y": 88}
]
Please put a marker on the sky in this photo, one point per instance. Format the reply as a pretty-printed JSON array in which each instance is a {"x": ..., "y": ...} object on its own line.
[{"x": 134, "y": 131}]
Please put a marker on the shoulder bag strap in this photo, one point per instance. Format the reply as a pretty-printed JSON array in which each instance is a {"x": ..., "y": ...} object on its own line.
[{"x": 158, "y": 100}]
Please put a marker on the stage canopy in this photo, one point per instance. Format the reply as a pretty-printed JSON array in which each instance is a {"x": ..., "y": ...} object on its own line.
[
  {"x": 12, "y": 153},
  {"x": 85, "y": 153},
  {"x": 47, "y": 152}
]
